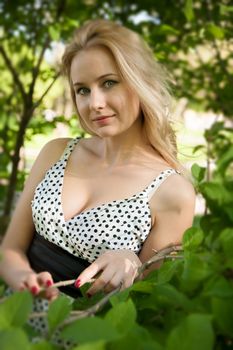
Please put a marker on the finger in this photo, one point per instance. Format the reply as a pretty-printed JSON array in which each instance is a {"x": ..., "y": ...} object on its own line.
[
  {"x": 127, "y": 282},
  {"x": 51, "y": 293},
  {"x": 45, "y": 279},
  {"x": 90, "y": 272},
  {"x": 115, "y": 282},
  {"x": 100, "y": 283},
  {"x": 32, "y": 284}
]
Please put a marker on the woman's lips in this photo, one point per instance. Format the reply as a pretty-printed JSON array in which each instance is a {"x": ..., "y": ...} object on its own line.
[{"x": 103, "y": 118}]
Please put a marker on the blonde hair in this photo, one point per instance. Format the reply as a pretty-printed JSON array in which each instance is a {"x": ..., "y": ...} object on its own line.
[{"x": 139, "y": 69}]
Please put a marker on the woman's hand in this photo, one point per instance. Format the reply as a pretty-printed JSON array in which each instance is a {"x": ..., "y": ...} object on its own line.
[
  {"x": 114, "y": 268},
  {"x": 36, "y": 283}
]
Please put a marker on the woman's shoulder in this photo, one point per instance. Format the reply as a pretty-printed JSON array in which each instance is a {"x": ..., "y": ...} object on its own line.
[
  {"x": 57, "y": 145},
  {"x": 175, "y": 193},
  {"x": 54, "y": 148},
  {"x": 50, "y": 154}
]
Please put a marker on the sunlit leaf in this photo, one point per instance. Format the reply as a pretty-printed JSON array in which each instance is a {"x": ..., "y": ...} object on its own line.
[
  {"x": 12, "y": 339},
  {"x": 122, "y": 316},
  {"x": 188, "y": 10},
  {"x": 58, "y": 311},
  {"x": 90, "y": 329},
  {"x": 194, "y": 332},
  {"x": 15, "y": 310}
]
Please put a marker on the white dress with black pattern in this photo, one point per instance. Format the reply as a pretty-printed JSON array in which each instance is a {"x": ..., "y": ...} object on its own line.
[{"x": 119, "y": 224}]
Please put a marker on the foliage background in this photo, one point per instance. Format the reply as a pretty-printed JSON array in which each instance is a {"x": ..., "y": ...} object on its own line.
[{"x": 188, "y": 302}]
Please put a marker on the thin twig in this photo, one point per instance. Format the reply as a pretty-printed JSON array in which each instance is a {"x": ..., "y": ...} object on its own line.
[
  {"x": 38, "y": 102},
  {"x": 13, "y": 71},
  {"x": 90, "y": 311},
  {"x": 78, "y": 314},
  {"x": 63, "y": 284},
  {"x": 165, "y": 253},
  {"x": 169, "y": 252}
]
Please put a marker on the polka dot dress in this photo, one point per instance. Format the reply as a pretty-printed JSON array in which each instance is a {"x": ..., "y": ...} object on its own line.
[{"x": 119, "y": 224}]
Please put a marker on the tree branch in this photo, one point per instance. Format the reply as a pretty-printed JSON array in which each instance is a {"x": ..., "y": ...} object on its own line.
[
  {"x": 36, "y": 69},
  {"x": 38, "y": 102},
  {"x": 169, "y": 252},
  {"x": 14, "y": 73}
]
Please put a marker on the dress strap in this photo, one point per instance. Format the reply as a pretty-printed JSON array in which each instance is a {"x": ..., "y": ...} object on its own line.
[
  {"x": 155, "y": 184},
  {"x": 69, "y": 148}
]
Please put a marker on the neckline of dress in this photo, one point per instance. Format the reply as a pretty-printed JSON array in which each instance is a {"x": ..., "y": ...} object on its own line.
[{"x": 140, "y": 194}]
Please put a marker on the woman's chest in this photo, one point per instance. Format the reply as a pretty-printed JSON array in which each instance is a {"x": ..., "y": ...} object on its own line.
[{"x": 84, "y": 192}]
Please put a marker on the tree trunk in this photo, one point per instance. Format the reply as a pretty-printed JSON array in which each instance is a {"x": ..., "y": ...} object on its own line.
[{"x": 27, "y": 114}]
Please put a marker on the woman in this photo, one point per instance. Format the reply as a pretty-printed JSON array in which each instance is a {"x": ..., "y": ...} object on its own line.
[{"x": 111, "y": 199}]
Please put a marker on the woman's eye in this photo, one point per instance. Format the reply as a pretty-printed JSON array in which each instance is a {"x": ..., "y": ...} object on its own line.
[
  {"x": 109, "y": 83},
  {"x": 82, "y": 91}
]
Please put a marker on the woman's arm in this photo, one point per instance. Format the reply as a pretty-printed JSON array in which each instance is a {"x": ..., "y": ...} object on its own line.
[
  {"x": 14, "y": 266},
  {"x": 172, "y": 206}
]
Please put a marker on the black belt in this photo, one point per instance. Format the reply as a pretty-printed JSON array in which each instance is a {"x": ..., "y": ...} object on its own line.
[{"x": 46, "y": 256}]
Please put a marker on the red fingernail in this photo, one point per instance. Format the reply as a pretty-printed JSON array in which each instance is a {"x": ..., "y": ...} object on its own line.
[
  {"x": 77, "y": 283},
  {"x": 88, "y": 295},
  {"x": 48, "y": 283},
  {"x": 34, "y": 290}
]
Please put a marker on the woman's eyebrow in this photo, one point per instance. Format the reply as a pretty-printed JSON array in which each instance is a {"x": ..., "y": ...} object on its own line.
[{"x": 99, "y": 78}]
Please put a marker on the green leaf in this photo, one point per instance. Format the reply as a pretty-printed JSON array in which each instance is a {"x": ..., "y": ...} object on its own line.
[
  {"x": 164, "y": 295},
  {"x": 192, "y": 238},
  {"x": 143, "y": 287},
  {"x": 218, "y": 287},
  {"x": 120, "y": 297},
  {"x": 229, "y": 212},
  {"x": 90, "y": 329},
  {"x": 84, "y": 302},
  {"x": 58, "y": 311},
  {"x": 2, "y": 288},
  {"x": 198, "y": 172},
  {"x": 166, "y": 29},
  {"x": 167, "y": 294},
  {"x": 193, "y": 333},
  {"x": 216, "y": 192},
  {"x": 137, "y": 338},
  {"x": 44, "y": 345},
  {"x": 12, "y": 339},
  {"x": 223, "y": 314},
  {"x": 196, "y": 269},
  {"x": 54, "y": 33},
  {"x": 198, "y": 148},
  {"x": 216, "y": 31},
  {"x": 225, "y": 9},
  {"x": 188, "y": 10},
  {"x": 122, "y": 316},
  {"x": 225, "y": 160},
  {"x": 226, "y": 241},
  {"x": 15, "y": 310},
  {"x": 168, "y": 270},
  {"x": 214, "y": 130},
  {"x": 99, "y": 345}
]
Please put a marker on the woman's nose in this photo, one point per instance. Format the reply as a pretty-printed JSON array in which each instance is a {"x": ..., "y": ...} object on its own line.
[{"x": 97, "y": 99}]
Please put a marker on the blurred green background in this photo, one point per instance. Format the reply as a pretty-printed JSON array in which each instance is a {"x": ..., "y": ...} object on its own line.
[{"x": 193, "y": 39}]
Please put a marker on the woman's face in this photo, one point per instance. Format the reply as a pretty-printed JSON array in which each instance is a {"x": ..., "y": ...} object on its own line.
[{"x": 105, "y": 103}]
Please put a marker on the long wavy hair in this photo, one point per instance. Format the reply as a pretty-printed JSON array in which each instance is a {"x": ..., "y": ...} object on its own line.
[{"x": 139, "y": 69}]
